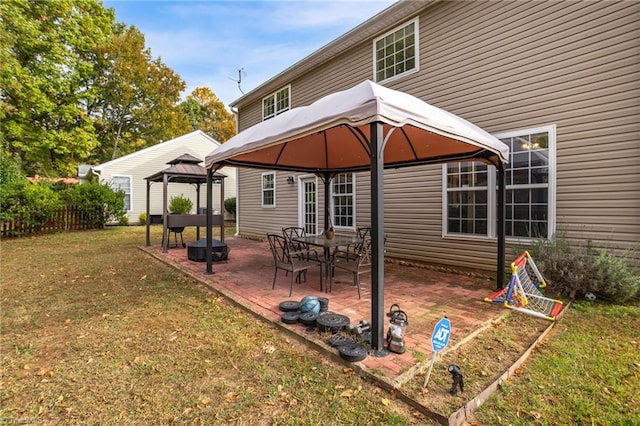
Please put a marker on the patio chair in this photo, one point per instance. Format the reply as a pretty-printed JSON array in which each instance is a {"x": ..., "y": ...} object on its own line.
[
  {"x": 351, "y": 252},
  {"x": 288, "y": 260},
  {"x": 293, "y": 232},
  {"x": 306, "y": 252},
  {"x": 356, "y": 261}
]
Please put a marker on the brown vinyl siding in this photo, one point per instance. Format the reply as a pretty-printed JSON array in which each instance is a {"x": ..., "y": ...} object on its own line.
[{"x": 506, "y": 66}]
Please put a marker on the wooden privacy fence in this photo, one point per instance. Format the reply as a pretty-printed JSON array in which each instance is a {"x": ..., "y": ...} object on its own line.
[{"x": 69, "y": 218}]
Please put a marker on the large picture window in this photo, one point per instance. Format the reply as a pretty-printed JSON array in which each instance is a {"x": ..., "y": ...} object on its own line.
[
  {"x": 276, "y": 103},
  {"x": 470, "y": 206},
  {"x": 342, "y": 200},
  {"x": 123, "y": 183},
  {"x": 396, "y": 52},
  {"x": 269, "y": 189}
]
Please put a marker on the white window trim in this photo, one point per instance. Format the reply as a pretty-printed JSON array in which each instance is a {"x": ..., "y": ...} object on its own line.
[
  {"x": 130, "y": 188},
  {"x": 262, "y": 189},
  {"x": 415, "y": 20},
  {"x": 491, "y": 195},
  {"x": 353, "y": 197},
  {"x": 273, "y": 94}
]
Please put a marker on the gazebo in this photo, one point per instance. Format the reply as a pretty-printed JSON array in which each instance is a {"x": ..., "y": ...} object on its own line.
[
  {"x": 368, "y": 127},
  {"x": 186, "y": 169}
]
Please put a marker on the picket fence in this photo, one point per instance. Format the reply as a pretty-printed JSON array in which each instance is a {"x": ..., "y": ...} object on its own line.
[{"x": 66, "y": 219}]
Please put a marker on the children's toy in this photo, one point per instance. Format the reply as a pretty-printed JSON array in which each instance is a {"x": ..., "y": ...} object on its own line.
[{"x": 523, "y": 294}]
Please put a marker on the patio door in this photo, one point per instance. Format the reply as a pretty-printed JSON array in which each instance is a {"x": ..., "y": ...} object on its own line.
[{"x": 308, "y": 204}]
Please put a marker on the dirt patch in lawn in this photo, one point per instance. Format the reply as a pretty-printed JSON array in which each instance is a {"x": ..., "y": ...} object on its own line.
[{"x": 482, "y": 360}]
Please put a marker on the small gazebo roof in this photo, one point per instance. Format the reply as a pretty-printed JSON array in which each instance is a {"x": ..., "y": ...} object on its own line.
[
  {"x": 186, "y": 159},
  {"x": 185, "y": 169}
]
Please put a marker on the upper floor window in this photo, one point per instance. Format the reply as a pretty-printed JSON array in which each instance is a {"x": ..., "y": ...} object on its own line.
[
  {"x": 269, "y": 189},
  {"x": 123, "y": 183},
  {"x": 342, "y": 199},
  {"x": 396, "y": 52},
  {"x": 276, "y": 103},
  {"x": 470, "y": 204}
]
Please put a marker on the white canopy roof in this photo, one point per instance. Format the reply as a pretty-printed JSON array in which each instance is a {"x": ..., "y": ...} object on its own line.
[{"x": 332, "y": 134}]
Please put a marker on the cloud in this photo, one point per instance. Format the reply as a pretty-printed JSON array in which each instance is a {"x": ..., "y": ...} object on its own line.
[{"x": 206, "y": 42}]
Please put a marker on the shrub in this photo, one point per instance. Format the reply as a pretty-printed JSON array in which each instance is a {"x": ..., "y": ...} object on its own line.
[
  {"x": 31, "y": 204},
  {"x": 230, "y": 205},
  {"x": 574, "y": 271},
  {"x": 615, "y": 280},
  {"x": 142, "y": 217},
  {"x": 180, "y": 205},
  {"x": 99, "y": 202}
]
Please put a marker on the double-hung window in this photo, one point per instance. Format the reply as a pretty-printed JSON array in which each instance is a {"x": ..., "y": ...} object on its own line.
[
  {"x": 276, "y": 103},
  {"x": 396, "y": 52},
  {"x": 343, "y": 200},
  {"x": 269, "y": 189},
  {"x": 467, "y": 198},
  {"x": 123, "y": 183},
  {"x": 469, "y": 203}
]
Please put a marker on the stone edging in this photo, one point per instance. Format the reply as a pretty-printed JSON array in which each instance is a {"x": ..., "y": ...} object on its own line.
[{"x": 462, "y": 415}]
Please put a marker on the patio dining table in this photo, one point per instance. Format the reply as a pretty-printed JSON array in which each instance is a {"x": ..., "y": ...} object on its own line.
[{"x": 327, "y": 244}]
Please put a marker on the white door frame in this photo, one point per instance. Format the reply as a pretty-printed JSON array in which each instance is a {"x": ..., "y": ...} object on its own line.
[{"x": 301, "y": 199}]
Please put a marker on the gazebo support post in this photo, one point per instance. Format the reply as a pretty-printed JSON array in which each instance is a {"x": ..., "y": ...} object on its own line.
[
  {"x": 377, "y": 239},
  {"x": 221, "y": 209},
  {"x": 148, "y": 203},
  {"x": 326, "y": 179},
  {"x": 197, "y": 209},
  {"x": 165, "y": 214},
  {"x": 501, "y": 226},
  {"x": 209, "y": 254}
]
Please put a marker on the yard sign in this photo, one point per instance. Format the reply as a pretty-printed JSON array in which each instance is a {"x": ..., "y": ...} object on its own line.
[{"x": 439, "y": 341}]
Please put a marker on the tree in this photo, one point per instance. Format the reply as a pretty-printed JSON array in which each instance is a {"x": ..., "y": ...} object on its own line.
[
  {"x": 207, "y": 113},
  {"x": 139, "y": 94},
  {"x": 46, "y": 74},
  {"x": 77, "y": 87}
]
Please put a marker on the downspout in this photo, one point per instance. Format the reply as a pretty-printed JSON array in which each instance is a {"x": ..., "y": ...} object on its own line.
[{"x": 501, "y": 227}]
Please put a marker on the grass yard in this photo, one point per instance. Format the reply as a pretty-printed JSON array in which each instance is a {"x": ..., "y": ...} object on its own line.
[{"x": 95, "y": 331}]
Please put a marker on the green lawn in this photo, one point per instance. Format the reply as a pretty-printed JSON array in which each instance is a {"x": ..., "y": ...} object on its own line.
[{"x": 95, "y": 331}]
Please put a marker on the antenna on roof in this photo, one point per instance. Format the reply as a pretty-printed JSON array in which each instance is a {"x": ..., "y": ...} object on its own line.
[{"x": 239, "y": 80}]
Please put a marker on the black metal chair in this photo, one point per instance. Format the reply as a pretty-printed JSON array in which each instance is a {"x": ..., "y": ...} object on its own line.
[
  {"x": 357, "y": 261},
  {"x": 288, "y": 260},
  {"x": 306, "y": 252}
]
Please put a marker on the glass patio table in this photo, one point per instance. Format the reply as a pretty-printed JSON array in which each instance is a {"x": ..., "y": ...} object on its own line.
[{"x": 327, "y": 244}]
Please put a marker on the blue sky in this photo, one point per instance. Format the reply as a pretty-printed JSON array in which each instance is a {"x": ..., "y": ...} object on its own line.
[{"x": 207, "y": 41}]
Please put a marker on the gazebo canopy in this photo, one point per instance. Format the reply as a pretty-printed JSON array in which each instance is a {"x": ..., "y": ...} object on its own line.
[
  {"x": 366, "y": 127},
  {"x": 184, "y": 169},
  {"x": 332, "y": 134}
]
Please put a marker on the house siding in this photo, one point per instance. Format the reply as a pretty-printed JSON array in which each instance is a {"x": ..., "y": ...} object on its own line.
[
  {"x": 149, "y": 161},
  {"x": 506, "y": 66}
]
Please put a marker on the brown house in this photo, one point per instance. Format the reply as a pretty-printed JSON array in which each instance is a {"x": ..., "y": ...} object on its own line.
[{"x": 557, "y": 81}]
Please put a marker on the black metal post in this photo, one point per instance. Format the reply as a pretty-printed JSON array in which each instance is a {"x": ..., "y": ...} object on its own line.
[
  {"x": 209, "y": 254},
  {"x": 377, "y": 240},
  {"x": 197, "y": 209},
  {"x": 165, "y": 213},
  {"x": 327, "y": 187},
  {"x": 148, "y": 217}
]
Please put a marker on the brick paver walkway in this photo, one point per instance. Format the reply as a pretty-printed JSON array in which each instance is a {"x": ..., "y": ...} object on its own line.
[{"x": 426, "y": 295}]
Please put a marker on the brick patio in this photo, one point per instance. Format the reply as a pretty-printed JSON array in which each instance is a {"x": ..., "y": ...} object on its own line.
[{"x": 425, "y": 294}]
